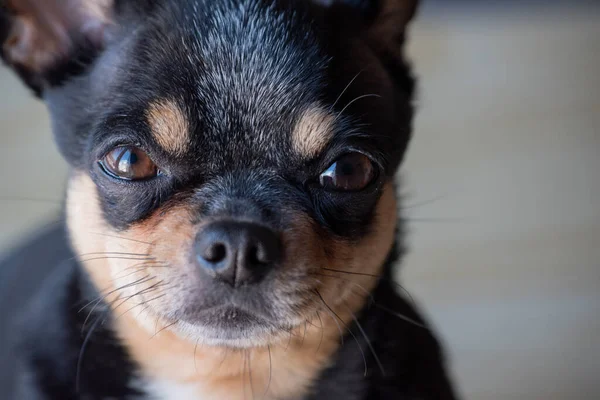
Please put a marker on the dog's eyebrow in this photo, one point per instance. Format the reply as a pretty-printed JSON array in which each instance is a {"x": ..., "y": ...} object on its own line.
[
  {"x": 169, "y": 125},
  {"x": 313, "y": 131}
]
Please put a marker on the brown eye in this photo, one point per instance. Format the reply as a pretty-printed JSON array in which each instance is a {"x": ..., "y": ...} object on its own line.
[
  {"x": 129, "y": 163},
  {"x": 351, "y": 172}
]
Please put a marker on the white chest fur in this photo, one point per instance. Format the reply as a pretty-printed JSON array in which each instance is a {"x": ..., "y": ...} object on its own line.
[{"x": 168, "y": 390}]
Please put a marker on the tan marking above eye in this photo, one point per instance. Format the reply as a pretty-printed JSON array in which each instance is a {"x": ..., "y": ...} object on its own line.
[
  {"x": 169, "y": 125},
  {"x": 312, "y": 132}
]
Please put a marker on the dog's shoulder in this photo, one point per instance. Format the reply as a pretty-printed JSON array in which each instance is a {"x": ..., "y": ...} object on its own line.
[
  {"x": 40, "y": 340},
  {"x": 61, "y": 350}
]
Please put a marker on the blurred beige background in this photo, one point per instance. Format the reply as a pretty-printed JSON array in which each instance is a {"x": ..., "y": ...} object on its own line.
[{"x": 501, "y": 186}]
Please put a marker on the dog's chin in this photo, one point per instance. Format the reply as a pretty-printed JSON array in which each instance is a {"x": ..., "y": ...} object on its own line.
[{"x": 231, "y": 326}]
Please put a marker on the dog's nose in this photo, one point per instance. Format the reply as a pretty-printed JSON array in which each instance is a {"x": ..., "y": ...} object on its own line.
[{"x": 237, "y": 253}]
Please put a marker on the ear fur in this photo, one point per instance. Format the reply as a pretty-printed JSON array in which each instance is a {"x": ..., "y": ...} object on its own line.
[
  {"x": 389, "y": 19},
  {"x": 386, "y": 20},
  {"x": 45, "y": 41}
]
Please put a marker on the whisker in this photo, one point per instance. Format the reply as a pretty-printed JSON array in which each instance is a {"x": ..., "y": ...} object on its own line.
[
  {"x": 422, "y": 203},
  {"x": 156, "y": 324},
  {"x": 346, "y": 88},
  {"x": 289, "y": 340},
  {"x": 224, "y": 357},
  {"x": 151, "y": 263},
  {"x": 402, "y": 317},
  {"x": 250, "y": 373},
  {"x": 148, "y": 301},
  {"x": 270, "y": 371},
  {"x": 100, "y": 298},
  {"x": 304, "y": 335},
  {"x": 163, "y": 328},
  {"x": 119, "y": 258},
  {"x": 338, "y": 326},
  {"x": 244, "y": 359},
  {"x": 141, "y": 280},
  {"x": 118, "y": 253},
  {"x": 360, "y": 328},
  {"x": 81, "y": 352},
  {"x": 98, "y": 301},
  {"x": 365, "y": 291},
  {"x": 142, "y": 291},
  {"x": 313, "y": 325},
  {"x": 395, "y": 313},
  {"x": 351, "y": 272},
  {"x": 322, "y": 332},
  {"x": 355, "y": 100},
  {"x": 141, "y": 304},
  {"x": 121, "y": 237},
  {"x": 140, "y": 268},
  {"x": 393, "y": 282},
  {"x": 349, "y": 330}
]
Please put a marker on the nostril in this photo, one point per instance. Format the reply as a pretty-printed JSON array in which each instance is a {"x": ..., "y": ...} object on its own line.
[
  {"x": 263, "y": 256},
  {"x": 257, "y": 255},
  {"x": 215, "y": 253}
]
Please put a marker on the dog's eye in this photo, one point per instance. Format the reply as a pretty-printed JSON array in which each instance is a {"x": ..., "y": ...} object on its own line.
[
  {"x": 129, "y": 163},
  {"x": 351, "y": 172}
]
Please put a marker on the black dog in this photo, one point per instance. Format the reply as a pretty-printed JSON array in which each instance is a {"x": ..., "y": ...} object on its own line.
[{"x": 231, "y": 201}]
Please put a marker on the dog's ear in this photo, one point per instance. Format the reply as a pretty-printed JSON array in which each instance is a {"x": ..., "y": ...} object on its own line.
[
  {"x": 46, "y": 41},
  {"x": 389, "y": 19},
  {"x": 385, "y": 20}
]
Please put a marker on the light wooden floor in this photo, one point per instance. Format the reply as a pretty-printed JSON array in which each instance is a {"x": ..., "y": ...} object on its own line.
[{"x": 506, "y": 256}]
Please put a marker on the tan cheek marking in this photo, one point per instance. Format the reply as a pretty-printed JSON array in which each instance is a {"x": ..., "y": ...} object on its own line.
[
  {"x": 312, "y": 132},
  {"x": 169, "y": 126}
]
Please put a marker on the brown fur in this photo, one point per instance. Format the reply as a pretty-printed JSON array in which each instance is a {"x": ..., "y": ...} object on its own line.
[
  {"x": 312, "y": 132},
  {"x": 39, "y": 35},
  {"x": 169, "y": 125},
  {"x": 289, "y": 365}
]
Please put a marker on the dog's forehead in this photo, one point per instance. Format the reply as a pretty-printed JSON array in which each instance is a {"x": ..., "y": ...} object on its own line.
[{"x": 239, "y": 80}]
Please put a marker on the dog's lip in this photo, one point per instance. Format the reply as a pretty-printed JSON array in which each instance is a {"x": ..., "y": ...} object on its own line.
[
  {"x": 231, "y": 312},
  {"x": 226, "y": 308}
]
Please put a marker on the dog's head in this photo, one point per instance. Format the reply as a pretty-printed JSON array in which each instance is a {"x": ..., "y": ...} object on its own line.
[{"x": 232, "y": 160}]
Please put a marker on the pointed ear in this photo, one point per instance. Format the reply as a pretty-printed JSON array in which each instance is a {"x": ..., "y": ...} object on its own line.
[
  {"x": 45, "y": 41},
  {"x": 385, "y": 20},
  {"x": 388, "y": 21}
]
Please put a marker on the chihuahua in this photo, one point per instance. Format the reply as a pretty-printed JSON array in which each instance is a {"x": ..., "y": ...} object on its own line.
[{"x": 231, "y": 204}]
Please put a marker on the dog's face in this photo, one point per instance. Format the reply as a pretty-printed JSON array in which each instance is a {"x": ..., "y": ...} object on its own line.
[{"x": 232, "y": 160}]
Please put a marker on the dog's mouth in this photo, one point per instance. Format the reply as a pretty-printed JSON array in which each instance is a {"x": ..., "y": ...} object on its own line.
[
  {"x": 232, "y": 325},
  {"x": 230, "y": 318}
]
